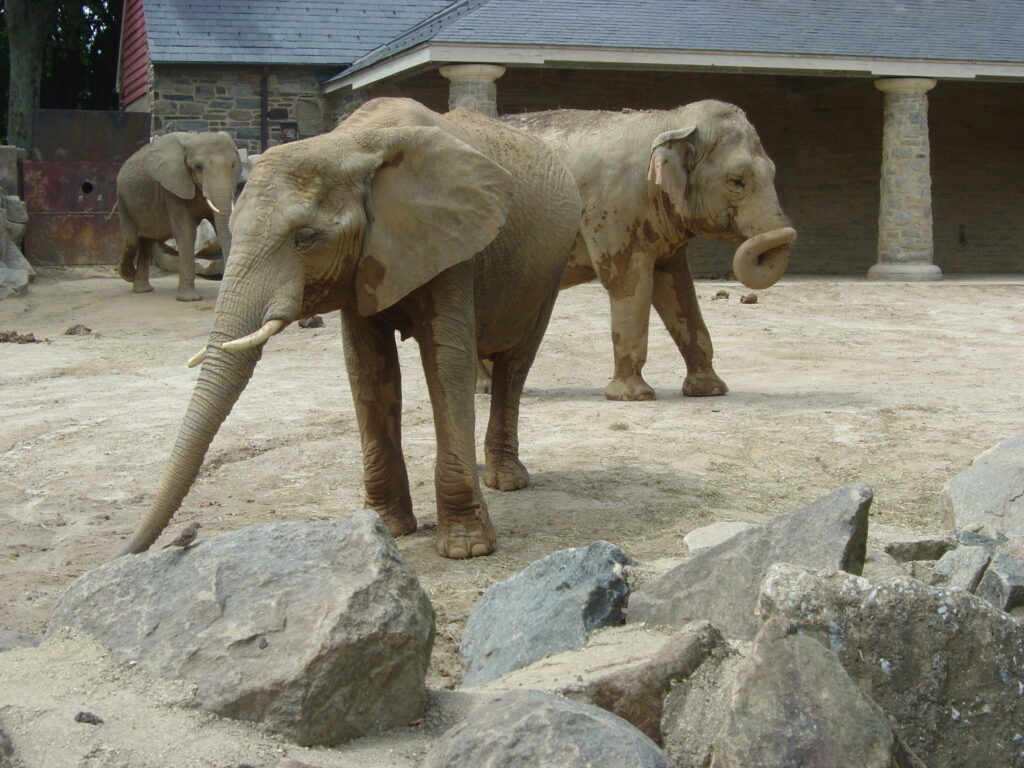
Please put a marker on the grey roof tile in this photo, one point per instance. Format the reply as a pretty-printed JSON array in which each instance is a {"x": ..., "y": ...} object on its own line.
[
  {"x": 314, "y": 32},
  {"x": 953, "y": 30}
]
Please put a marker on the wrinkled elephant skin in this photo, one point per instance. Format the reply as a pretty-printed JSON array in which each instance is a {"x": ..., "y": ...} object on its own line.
[
  {"x": 650, "y": 182},
  {"x": 454, "y": 230}
]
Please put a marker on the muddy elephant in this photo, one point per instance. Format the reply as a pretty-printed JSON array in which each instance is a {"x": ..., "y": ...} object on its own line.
[
  {"x": 650, "y": 182},
  {"x": 164, "y": 190},
  {"x": 454, "y": 230}
]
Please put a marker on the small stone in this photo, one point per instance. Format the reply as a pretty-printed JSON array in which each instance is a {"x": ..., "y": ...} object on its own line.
[
  {"x": 88, "y": 717},
  {"x": 78, "y": 330},
  {"x": 749, "y": 298},
  {"x": 312, "y": 322},
  {"x": 720, "y": 295}
]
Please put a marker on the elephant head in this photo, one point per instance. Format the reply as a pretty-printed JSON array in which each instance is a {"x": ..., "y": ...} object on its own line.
[
  {"x": 207, "y": 163},
  {"x": 352, "y": 220},
  {"x": 718, "y": 179}
]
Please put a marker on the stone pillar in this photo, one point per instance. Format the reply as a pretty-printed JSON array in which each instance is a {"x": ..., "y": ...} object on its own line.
[
  {"x": 473, "y": 86},
  {"x": 905, "y": 247}
]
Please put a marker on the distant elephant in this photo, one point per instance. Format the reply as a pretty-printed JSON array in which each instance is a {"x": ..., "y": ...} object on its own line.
[
  {"x": 164, "y": 190},
  {"x": 650, "y": 182},
  {"x": 454, "y": 230}
]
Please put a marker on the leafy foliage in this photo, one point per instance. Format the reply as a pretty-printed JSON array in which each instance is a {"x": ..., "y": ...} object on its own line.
[{"x": 79, "y": 59}]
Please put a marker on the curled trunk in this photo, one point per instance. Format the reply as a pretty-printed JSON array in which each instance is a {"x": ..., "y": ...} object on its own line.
[{"x": 761, "y": 260}]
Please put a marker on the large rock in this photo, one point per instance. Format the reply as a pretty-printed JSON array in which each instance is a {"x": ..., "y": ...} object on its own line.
[
  {"x": 532, "y": 728},
  {"x": 720, "y": 584},
  {"x": 792, "y": 704},
  {"x": 319, "y": 630},
  {"x": 709, "y": 536},
  {"x": 553, "y": 605},
  {"x": 963, "y": 567},
  {"x": 626, "y": 670},
  {"x": 946, "y": 664},
  {"x": 990, "y": 492},
  {"x": 1003, "y": 582}
]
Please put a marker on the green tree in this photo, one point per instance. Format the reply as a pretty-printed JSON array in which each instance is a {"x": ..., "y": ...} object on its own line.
[
  {"x": 28, "y": 24},
  {"x": 61, "y": 55}
]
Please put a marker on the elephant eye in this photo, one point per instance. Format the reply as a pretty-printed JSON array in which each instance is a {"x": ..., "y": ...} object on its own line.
[
  {"x": 198, "y": 166},
  {"x": 305, "y": 237},
  {"x": 737, "y": 183}
]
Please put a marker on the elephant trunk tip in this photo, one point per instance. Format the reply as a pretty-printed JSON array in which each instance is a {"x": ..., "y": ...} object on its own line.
[{"x": 762, "y": 259}]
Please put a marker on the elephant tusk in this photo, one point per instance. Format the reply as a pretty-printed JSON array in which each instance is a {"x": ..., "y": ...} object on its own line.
[
  {"x": 197, "y": 358},
  {"x": 270, "y": 328},
  {"x": 209, "y": 203}
]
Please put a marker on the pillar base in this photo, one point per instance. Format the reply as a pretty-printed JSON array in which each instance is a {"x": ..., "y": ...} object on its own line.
[{"x": 911, "y": 273}]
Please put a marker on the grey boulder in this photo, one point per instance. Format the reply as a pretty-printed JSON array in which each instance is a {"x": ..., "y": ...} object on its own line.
[
  {"x": 962, "y": 568},
  {"x": 720, "y": 584},
  {"x": 945, "y": 664},
  {"x": 552, "y": 605},
  {"x": 792, "y": 704},
  {"x": 990, "y": 492},
  {"x": 318, "y": 630},
  {"x": 626, "y": 670},
  {"x": 1003, "y": 582},
  {"x": 532, "y": 728}
]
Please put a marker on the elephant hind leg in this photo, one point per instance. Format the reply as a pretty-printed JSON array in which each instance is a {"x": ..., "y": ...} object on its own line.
[{"x": 140, "y": 278}]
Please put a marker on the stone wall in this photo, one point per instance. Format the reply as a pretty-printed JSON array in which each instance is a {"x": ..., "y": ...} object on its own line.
[
  {"x": 192, "y": 98},
  {"x": 825, "y": 135}
]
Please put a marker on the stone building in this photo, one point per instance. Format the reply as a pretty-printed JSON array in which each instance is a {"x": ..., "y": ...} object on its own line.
[{"x": 896, "y": 125}]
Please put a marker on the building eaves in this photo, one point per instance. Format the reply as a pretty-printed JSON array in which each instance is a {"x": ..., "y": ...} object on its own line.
[{"x": 965, "y": 32}]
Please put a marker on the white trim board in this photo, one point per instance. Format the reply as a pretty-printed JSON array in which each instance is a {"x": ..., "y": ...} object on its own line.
[{"x": 597, "y": 57}]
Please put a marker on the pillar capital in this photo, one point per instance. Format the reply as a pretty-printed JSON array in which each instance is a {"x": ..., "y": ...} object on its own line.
[
  {"x": 905, "y": 84},
  {"x": 472, "y": 86},
  {"x": 479, "y": 73}
]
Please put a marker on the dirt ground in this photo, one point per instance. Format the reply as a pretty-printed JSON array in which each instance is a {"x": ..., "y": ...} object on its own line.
[{"x": 832, "y": 381}]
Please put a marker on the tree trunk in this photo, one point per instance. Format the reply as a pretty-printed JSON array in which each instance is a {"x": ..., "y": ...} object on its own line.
[{"x": 29, "y": 23}]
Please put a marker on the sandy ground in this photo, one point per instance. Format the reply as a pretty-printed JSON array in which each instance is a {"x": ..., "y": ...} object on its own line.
[{"x": 832, "y": 381}]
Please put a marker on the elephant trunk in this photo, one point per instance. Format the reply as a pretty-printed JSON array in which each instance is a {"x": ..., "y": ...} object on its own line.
[
  {"x": 762, "y": 259},
  {"x": 242, "y": 307},
  {"x": 220, "y": 197}
]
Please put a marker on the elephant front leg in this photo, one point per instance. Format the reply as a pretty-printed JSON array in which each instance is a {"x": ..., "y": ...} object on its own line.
[
  {"x": 371, "y": 359},
  {"x": 675, "y": 298},
  {"x": 446, "y": 334},
  {"x": 629, "y": 285},
  {"x": 185, "y": 239}
]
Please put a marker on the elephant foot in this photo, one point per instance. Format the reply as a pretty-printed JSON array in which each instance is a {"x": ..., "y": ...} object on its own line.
[
  {"x": 463, "y": 536},
  {"x": 704, "y": 384},
  {"x": 630, "y": 388},
  {"x": 399, "y": 522},
  {"x": 508, "y": 474},
  {"x": 188, "y": 294},
  {"x": 142, "y": 288}
]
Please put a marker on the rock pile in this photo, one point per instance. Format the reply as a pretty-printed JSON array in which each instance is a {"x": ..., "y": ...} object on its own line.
[{"x": 814, "y": 639}]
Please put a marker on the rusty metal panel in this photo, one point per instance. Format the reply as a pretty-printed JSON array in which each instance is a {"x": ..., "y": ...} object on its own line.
[
  {"x": 68, "y": 207},
  {"x": 66, "y": 239},
  {"x": 70, "y": 187},
  {"x": 80, "y": 135}
]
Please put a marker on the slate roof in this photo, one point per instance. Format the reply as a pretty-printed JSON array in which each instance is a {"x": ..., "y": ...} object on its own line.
[
  {"x": 949, "y": 30},
  {"x": 314, "y": 32}
]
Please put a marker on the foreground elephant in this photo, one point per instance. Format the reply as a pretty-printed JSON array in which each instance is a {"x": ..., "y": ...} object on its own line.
[
  {"x": 651, "y": 181},
  {"x": 164, "y": 190},
  {"x": 452, "y": 229}
]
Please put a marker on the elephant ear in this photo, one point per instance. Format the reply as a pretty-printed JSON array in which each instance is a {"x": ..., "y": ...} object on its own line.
[
  {"x": 433, "y": 202},
  {"x": 165, "y": 162},
  {"x": 670, "y": 162}
]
